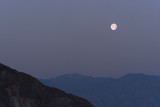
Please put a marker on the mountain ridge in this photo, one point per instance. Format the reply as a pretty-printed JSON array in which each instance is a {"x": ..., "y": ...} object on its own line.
[{"x": 18, "y": 89}]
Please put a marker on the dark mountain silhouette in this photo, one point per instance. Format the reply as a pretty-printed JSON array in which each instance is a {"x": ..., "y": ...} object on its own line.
[
  {"x": 18, "y": 89},
  {"x": 131, "y": 90}
]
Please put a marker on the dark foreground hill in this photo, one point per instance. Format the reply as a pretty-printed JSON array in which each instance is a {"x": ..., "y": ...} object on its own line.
[
  {"x": 131, "y": 90},
  {"x": 18, "y": 89}
]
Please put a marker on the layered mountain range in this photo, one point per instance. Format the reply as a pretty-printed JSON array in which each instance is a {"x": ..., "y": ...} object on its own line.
[{"x": 131, "y": 90}]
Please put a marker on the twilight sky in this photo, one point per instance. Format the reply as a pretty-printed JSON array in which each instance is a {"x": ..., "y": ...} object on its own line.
[{"x": 47, "y": 38}]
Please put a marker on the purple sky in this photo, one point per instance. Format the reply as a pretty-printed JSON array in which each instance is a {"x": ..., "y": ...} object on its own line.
[{"x": 47, "y": 38}]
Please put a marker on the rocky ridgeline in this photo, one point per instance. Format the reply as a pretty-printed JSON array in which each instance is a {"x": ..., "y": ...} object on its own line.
[{"x": 18, "y": 89}]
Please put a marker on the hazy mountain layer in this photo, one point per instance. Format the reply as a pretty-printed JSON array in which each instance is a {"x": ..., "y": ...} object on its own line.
[{"x": 132, "y": 90}]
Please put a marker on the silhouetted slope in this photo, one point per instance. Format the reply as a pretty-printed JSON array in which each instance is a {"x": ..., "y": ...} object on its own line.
[
  {"x": 18, "y": 89},
  {"x": 131, "y": 90}
]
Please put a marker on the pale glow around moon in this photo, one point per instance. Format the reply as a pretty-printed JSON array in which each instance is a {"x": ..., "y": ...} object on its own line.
[{"x": 113, "y": 26}]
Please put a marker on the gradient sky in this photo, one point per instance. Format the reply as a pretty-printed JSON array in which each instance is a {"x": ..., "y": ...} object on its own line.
[{"x": 47, "y": 38}]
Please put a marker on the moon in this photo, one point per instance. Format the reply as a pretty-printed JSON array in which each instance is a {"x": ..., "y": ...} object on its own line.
[{"x": 113, "y": 26}]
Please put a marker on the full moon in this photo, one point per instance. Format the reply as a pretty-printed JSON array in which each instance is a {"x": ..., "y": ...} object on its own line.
[{"x": 113, "y": 26}]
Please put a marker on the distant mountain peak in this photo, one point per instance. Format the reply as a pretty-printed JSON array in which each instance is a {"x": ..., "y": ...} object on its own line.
[
  {"x": 138, "y": 75},
  {"x": 133, "y": 75},
  {"x": 73, "y": 76}
]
